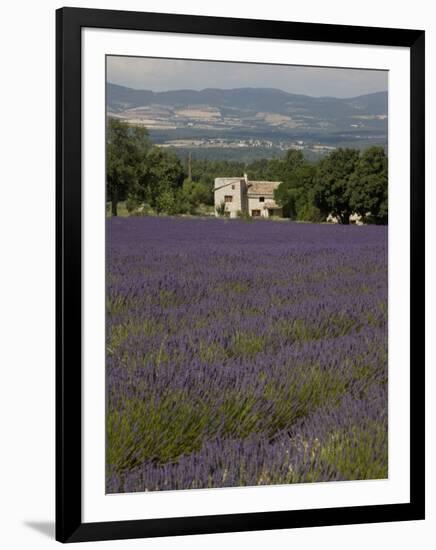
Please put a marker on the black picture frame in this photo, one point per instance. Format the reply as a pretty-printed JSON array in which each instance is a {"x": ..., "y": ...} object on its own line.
[{"x": 69, "y": 525}]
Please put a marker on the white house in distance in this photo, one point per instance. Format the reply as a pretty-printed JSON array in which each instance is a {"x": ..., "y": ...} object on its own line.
[{"x": 255, "y": 198}]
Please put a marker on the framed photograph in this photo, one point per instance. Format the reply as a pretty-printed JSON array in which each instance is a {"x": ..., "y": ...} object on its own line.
[{"x": 240, "y": 275}]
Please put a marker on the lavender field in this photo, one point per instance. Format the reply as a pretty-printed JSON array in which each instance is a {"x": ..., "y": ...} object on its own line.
[{"x": 244, "y": 353}]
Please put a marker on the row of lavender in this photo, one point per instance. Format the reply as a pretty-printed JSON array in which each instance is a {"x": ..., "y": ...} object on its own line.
[{"x": 244, "y": 353}]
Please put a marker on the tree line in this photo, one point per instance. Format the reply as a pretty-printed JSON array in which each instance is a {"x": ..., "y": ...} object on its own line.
[{"x": 345, "y": 181}]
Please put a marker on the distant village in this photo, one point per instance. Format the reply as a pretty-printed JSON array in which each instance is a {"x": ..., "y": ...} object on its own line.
[{"x": 251, "y": 143}]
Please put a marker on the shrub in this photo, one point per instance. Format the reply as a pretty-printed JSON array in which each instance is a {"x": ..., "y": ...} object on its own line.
[
  {"x": 310, "y": 213},
  {"x": 245, "y": 216},
  {"x": 221, "y": 208},
  {"x": 132, "y": 204}
]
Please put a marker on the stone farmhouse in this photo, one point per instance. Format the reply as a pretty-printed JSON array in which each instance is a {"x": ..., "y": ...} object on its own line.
[{"x": 239, "y": 195}]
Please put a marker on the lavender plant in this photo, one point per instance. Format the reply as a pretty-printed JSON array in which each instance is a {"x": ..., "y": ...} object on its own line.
[{"x": 244, "y": 354}]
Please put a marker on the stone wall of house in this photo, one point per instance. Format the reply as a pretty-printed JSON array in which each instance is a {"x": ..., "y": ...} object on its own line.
[
  {"x": 255, "y": 204},
  {"x": 265, "y": 206},
  {"x": 230, "y": 187},
  {"x": 242, "y": 196}
]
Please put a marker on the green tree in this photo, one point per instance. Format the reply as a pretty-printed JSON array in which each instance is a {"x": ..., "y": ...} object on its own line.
[
  {"x": 126, "y": 149},
  {"x": 290, "y": 165},
  {"x": 286, "y": 196},
  {"x": 196, "y": 193},
  {"x": 258, "y": 170},
  {"x": 276, "y": 169},
  {"x": 295, "y": 193},
  {"x": 306, "y": 210},
  {"x": 369, "y": 186},
  {"x": 165, "y": 202},
  {"x": 332, "y": 188},
  {"x": 162, "y": 174},
  {"x": 310, "y": 213}
]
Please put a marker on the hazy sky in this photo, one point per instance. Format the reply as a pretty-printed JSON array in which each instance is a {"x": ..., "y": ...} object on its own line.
[{"x": 175, "y": 74}]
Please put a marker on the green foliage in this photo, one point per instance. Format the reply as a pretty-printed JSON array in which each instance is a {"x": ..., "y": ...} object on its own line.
[
  {"x": 162, "y": 175},
  {"x": 293, "y": 161},
  {"x": 287, "y": 196},
  {"x": 126, "y": 149},
  {"x": 165, "y": 202},
  {"x": 295, "y": 193},
  {"x": 132, "y": 204},
  {"x": 332, "y": 183},
  {"x": 164, "y": 429},
  {"x": 221, "y": 208},
  {"x": 244, "y": 215},
  {"x": 194, "y": 193},
  {"x": 247, "y": 345},
  {"x": 340, "y": 184},
  {"x": 264, "y": 169},
  {"x": 351, "y": 453},
  {"x": 310, "y": 213},
  {"x": 369, "y": 186},
  {"x": 155, "y": 431},
  {"x": 276, "y": 169},
  {"x": 139, "y": 172}
]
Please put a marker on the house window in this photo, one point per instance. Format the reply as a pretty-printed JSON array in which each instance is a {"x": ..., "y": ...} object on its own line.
[
  {"x": 261, "y": 199},
  {"x": 228, "y": 198},
  {"x": 233, "y": 186},
  {"x": 255, "y": 213}
]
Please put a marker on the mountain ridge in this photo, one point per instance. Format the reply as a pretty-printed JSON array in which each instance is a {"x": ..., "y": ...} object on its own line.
[
  {"x": 245, "y": 118},
  {"x": 244, "y": 88},
  {"x": 248, "y": 99}
]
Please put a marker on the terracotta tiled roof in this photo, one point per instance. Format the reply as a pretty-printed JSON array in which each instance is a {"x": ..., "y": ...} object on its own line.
[{"x": 262, "y": 187}]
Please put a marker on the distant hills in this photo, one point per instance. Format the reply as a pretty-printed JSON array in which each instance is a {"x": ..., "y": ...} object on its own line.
[
  {"x": 121, "y": 98},
  {"x": 250, "y": 117}
]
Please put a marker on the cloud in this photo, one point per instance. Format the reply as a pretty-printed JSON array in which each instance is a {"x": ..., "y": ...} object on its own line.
[{"x": 175, "y": 74}]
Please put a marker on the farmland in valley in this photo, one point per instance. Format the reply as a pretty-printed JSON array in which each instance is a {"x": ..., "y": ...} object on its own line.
[
  {"x": 242, "y": 354},
  {"x": 246, "y": 124}
]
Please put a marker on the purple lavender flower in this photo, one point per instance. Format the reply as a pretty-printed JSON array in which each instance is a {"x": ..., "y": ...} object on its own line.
[{"x": 244, "y": 354}]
